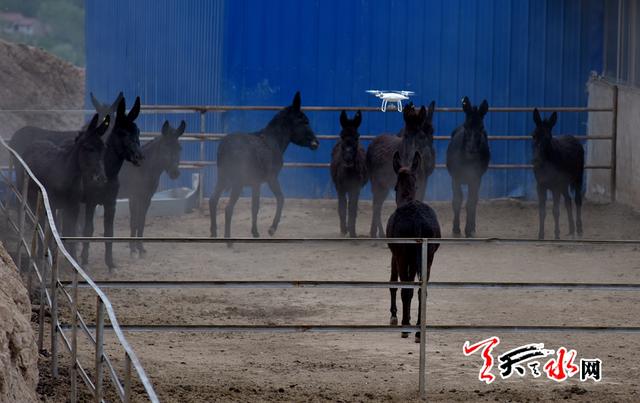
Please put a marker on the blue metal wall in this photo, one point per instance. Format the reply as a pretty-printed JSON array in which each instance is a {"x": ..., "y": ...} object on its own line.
[{"x": 252, "y": 52}]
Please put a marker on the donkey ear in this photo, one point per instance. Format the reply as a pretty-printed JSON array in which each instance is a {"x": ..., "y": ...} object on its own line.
[
  {"x": 296, "y": 102},
  {"x": 466, "y": 105},
  {"x": 96, "y": 104},
  {"x": 180, "y": 129},
  {"x": 407, "y": 111},
  {"x": 344, "y": 120},
  {"x": 104, "y": 126},
  {"x": 417, "y": 159},
  {"x": 115, "y": 103},
  {"x": 396, "y": 162},
  {"x": 133, "y": 113},
  {"x": 484, "y": 108},
  {"x": 422, "y": 114},
  {"x": 166, "y": 128},
  {"x": 122, "y": 108},
  {"x": 93, "y": 123},
  {"x": 357, "y": 119},
  {"x": 553, "y": 119},
  {"x": 536, "y": 117},
  {"x": 430, "y": 110}
]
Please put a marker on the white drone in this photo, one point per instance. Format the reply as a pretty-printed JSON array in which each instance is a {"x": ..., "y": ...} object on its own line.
[{"x": 391, "y": 96}]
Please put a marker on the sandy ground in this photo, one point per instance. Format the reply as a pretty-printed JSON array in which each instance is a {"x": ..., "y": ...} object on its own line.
[{"x": 371, "y": 367}]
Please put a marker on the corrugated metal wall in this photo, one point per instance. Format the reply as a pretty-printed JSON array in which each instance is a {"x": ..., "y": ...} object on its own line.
[{"x": 251, "y": 52}]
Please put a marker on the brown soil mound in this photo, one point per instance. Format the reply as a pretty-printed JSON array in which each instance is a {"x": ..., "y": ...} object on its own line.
[
  {"x": 18, "y": 351},
  {"x": 31, "y": 78}
]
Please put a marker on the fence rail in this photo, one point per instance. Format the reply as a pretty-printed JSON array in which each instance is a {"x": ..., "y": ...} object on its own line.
[
  {"x": 44, "y": 255},
  {"x": 202, "y": 136},
  {"x": 422, "y": 285}
]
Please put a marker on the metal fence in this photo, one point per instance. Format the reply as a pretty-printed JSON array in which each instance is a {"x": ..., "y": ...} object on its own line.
[
  {"x": 202, "y": 136},
  {"x": 332, "y": 328},
  {"x": 39, "y": 241}
]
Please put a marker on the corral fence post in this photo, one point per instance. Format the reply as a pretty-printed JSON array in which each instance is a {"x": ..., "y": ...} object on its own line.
[
  {"x": 74, "y": 339},
  {"x": 34, "y": 243},
  {"x": 203, "y": 125},
  {"x": 54, "y": 312},
  {"x": 41, "y": 267},
  {"x": 614, "y": 142},
  {"x": 423, "y": 320},
  {"x": 99, "y": 348},
  {"x": 21, "y": 221},
  {"x": 127, "y": 378}
]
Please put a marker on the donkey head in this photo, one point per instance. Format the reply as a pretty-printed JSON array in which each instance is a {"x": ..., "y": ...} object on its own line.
[
  {"x": 349, "y": 138},
  {"x": 169, "y": 148},
  {"x": 296, "y": 124},
  {"x": 414, "y": 139},
  {"x": 475, "y": 137},
  {"x": 407, "y": 177},
  {"x": 542, "y": 133},
  {"x": 91, "y": 150},
  {"x": 126, "y": 135},
  {"x": 105, "y": 109}
]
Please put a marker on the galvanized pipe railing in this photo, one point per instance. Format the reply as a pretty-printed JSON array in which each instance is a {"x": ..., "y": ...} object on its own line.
[
  {"x": 421, "y": 284},
  {"x": 202, "y": 136},
  {"x": 47, "y": 249}
]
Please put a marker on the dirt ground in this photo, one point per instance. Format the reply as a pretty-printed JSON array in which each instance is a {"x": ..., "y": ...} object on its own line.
[{"x": 200, "y": 367}]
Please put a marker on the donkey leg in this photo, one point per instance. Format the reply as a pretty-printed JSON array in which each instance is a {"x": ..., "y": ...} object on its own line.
[
  {"x": 133, "y": 223},
  {"x": 472, "y": 204},
  {"x": 393, "y": 291},
  {"x": 354, "y": 195},
  {"x": 414, "y": 268},
  {"x": 406, "y": 295},
  {"x": 342, "y": 211},
  {"x": 379, "y": 196},
  {"x": 556, "y": 213},
  {"x": 213, "y": 207},
  {"x": 274, "y": 185},
  {"x": 228, "y": 211},
  {"x": 88, "y": 230},
  {"x": 567, "y": 205},
  {"x": 142, "y": 219},
  {"x": 456, "y": 187},
  {"x": 109, "y": 216},
  {"x": 542, "y": 210},
  {"x": 255, "y": 206},
  {"x": 578, "y": 198}
]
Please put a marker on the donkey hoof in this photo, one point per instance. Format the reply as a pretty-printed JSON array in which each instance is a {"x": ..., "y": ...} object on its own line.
[
  {"x": 404, "y": 335},
  {"x": 142, "y": 253},
  {"x": 393, "y": 321},
  {"x": 272, "y": 231},
  {"x": 255, "y": 234},
  {"x": 456, "y": 233},
  {"x": 470, "y": 234},
  {"x": 417, "y": 338}
]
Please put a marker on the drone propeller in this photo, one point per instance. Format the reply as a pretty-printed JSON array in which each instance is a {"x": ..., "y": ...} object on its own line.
[
  {"x": 374, "y": 91},
  {"x": 405, "y": 93}
]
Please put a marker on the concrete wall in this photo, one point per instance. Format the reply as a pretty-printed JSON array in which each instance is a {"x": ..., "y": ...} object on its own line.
[{"x": 628, "y": 143}]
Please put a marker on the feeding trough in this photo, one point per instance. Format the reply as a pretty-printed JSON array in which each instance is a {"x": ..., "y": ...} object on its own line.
[{"x": 170, "y": 202}]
